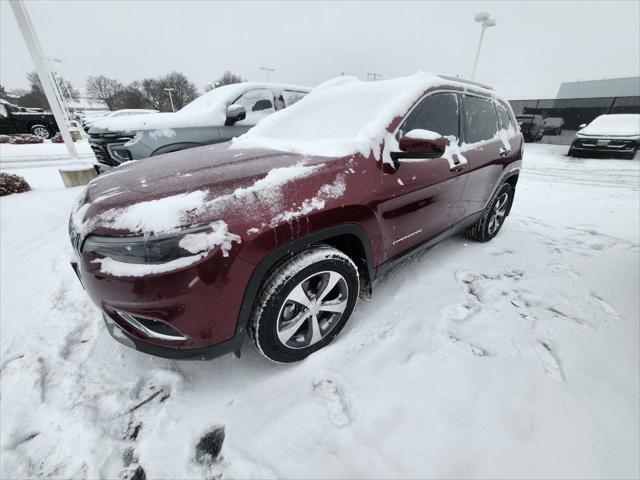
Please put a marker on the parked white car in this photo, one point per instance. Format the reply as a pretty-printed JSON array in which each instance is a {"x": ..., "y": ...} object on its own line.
[{"x": 608, "y": 135}]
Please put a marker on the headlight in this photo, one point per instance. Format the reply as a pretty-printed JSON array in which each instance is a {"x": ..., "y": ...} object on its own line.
[
  {"x": 119, "y": 152},
  {"x": 149, "y": 249}
]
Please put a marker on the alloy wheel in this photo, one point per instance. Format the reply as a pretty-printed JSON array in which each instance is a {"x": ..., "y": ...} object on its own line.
[
  {"x": 498, "y": 214},
  {"x": 312, "y": 309},
  {"x": 41, "y": 132}
]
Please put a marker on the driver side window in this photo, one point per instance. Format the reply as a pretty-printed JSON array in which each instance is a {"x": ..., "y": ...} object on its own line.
[
  {"x": 256, "y": 100},
  {"x": 437, "y": 113},
  {"x": 257, "y": 103}
]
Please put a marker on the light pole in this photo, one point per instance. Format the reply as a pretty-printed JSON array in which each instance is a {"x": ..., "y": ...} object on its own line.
[
  {"x": 267, "y": 70},
  {"x": 487, "y": 22},
  {"x": 39, "y": 59},
  {"x": 170, "y": 97}
]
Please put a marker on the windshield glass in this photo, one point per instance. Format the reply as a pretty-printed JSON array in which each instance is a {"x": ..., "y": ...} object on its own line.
[{"x": 214, "y": 98}]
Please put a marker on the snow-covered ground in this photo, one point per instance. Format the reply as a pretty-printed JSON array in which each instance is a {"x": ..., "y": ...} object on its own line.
[{"x": 516, "y": 358}]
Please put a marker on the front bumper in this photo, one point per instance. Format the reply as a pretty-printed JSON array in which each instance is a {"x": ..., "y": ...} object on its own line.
[
  {"x": 603, "y": 145},
  {"x": 203, "y": 353},
  {"x": 189, "y": 313}
]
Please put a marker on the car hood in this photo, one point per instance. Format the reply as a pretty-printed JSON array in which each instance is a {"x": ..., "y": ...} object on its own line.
[
  {"x": 160, "y": 194},
  {"x": 616, "y": 125},
  {"x": 136, "y": 123}
]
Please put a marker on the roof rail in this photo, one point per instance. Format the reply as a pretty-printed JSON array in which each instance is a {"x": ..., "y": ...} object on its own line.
[{"x": 464, "y": 80}]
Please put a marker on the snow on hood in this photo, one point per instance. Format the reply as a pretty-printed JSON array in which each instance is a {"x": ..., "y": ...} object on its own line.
[
  {"x": 209, "y": 109},
  {"x": 627, "y": 124},
  {"x": 167, "y": 214},
  {"x": 342, "y": 116}
]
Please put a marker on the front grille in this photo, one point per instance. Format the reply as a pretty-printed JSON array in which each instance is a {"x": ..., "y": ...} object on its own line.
[
  {"x": 611, "y": 145},
  {"x": 102, "y": 155}
]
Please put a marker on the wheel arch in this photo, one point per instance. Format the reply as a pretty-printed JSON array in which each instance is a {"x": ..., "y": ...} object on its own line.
[{"x": 350, "y": 238}]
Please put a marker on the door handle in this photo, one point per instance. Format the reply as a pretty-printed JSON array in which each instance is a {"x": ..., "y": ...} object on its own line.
[
  {"x": 458, "y": 167},
  {"x": 504, "y": 152}
]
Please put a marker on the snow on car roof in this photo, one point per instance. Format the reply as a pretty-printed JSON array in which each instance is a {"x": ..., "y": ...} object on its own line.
[
  {"x": 617, "y": 124},
  {"x": 343, "y": 116},
  {"x": 206, "y": 110}
]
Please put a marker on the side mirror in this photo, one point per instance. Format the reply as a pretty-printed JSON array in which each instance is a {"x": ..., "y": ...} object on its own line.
[
  {"x": 582, "y": 125},
  {"x": 235, "y": 113},
  {"x": 420, "y": 141}
]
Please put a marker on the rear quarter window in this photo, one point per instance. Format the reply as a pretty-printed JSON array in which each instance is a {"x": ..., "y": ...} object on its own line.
[
  {"x": 291, "y": 97},
  {"x": 504, "y": 117},
  {"x": 481, "y": 120}
]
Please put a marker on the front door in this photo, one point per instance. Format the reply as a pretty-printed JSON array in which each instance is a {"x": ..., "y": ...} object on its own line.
[
  {"x": 258, "y": 103},
  {"x": 422, "y": 196}
]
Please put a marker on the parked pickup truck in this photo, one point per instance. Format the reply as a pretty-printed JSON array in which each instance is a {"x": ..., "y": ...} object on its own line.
[
  {"x": 215, "y": 117},
  {"x": 15, "y": 119}
]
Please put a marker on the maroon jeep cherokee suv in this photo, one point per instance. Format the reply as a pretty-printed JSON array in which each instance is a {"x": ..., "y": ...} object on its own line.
[{"x": 278, "y": 233}]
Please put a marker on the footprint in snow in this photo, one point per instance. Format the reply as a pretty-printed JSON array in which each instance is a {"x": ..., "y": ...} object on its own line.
[
  {"x": 550, "y": 360},
  {"x": 337, "y": 404},
  {"x": 209, "y": 447}
]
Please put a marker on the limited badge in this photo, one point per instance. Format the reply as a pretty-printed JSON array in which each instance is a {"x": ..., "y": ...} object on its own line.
[{"x": 603, "y": 143}]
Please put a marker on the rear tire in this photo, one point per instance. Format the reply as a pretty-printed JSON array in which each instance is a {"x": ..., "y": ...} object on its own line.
[
  {"x": 304, "y": 304},
  {"x": 41, "y": 131},
  {"x": 493, "y": 216}
]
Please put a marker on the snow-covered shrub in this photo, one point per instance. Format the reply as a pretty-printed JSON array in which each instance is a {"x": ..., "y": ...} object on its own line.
[
  {"x": 24, "y": 138},
  {"x": 5, "y": 139},
  {"x": 10, "y": 183},
  {"x": 57, "y": 138}
]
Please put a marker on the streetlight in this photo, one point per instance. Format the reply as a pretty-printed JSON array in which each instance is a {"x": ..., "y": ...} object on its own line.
[
  {"x": 170, "y": 97},
  {"x": 487, "y": 21},
  {"x": 267, "y": 70}
]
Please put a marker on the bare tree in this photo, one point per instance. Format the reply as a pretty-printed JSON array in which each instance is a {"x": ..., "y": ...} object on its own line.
[
  {"x": 183, "y": 90},
  {"x": 131, "y": 96},
  {"x": 105, "y": 90},
  {"x": 227, "y": 78},
  {"x": 156, "y": 97},
  {"x": 37, "y": 96}
]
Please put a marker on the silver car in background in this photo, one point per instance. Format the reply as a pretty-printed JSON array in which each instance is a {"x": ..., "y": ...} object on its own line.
[{"x": 216, "y": 116}]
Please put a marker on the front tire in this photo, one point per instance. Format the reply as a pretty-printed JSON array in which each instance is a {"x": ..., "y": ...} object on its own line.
[
  {"x": 493, "y": 216},
  {"x": 304, "y": 304},
  {"x": 41, "y": 131}
]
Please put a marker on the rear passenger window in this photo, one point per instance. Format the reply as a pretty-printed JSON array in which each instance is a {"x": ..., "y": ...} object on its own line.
[
  {"x": 438, "y": 113},
  {"x": 504, "y": 117},
  {"x": 291, "y": 97},
  {"x": 481, "y": 120}
]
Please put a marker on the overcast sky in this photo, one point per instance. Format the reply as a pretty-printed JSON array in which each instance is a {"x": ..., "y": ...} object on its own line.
[{"x": 535, "y": 45}]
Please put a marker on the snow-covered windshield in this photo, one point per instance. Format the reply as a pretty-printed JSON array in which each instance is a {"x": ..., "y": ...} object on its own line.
[
  {"x": 214, "y": 98},
  {"x": 618, "y": 124}
]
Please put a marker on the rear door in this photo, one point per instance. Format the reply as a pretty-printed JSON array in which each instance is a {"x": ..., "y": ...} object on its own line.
[
  {"x": 422, "y": 196},
  {"x": 484, "y": 152}
]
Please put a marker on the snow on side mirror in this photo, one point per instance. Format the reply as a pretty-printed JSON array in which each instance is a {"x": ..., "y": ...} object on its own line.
[
  {"x": 422, "y": 141},
  {"x": 419, "y": 143},
  {"x": 235, "y": 113}
]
